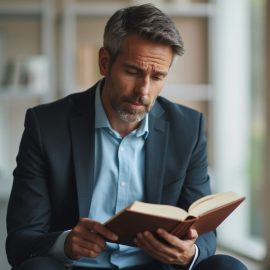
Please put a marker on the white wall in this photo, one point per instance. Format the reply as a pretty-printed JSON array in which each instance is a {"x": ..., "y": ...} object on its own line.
[{"x": 3, "y": 260}]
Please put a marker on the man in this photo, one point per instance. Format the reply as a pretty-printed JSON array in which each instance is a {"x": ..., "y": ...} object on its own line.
[{"x": 85, "y": 157}]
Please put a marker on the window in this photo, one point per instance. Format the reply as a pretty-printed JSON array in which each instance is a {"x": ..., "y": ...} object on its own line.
[{"x": 238, "y": 119}]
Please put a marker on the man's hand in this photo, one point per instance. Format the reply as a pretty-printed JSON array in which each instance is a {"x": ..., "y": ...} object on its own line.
[
  {"x": 177, "y": 251},
  {"x": 87, "y": 239}
]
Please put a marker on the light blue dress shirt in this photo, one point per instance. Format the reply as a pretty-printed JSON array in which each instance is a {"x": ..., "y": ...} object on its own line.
[{"x": 119, "y": 181}]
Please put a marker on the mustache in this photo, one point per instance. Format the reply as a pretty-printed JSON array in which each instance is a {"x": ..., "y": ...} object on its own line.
[{"x": 141, "y": 100}]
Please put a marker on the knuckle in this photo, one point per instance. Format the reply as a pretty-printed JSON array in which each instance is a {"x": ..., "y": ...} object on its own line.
[
  {"x": 76, "y": 229},
  {"x": 72, "y": 240},
  {"x": 98, "y": 241},
  {"x": 95, "y": 226},
  {"x": 173, "y": 241},
  {"x": 95, "y": 247},
  {"x": 92, "y": 254},
  {"x": 95, "y": 238},
  {"x": 81, "y": 221},
  {"x": 178, "y": 256},
  {"x": 159, "y": 248}
]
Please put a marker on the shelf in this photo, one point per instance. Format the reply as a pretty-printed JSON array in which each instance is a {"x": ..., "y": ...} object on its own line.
[
  {"x": 19, "y": 91},
  {"x": 185, "y": 10},
  {"x": 200, "y": 92},
  {"x": 12, "y": 92},
  {"x": 42, "y": 12},
  {"x": 21, "y": 9}
]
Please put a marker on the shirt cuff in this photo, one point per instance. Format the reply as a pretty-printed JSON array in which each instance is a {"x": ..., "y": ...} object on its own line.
[
  {"x": 57, "y": 250},
  {"x": 195, "y": 257}
]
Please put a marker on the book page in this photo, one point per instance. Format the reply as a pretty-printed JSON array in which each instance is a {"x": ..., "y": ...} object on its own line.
[
  {"x": 167, "y": 211},
  {"x": 211, "y": 202}
]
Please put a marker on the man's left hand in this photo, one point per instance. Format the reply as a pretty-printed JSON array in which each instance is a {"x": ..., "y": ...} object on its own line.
[{"x": 177, "y": 251}]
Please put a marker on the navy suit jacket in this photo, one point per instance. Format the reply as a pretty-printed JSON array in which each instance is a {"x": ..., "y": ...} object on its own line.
[{"x": 53, "y": 180}]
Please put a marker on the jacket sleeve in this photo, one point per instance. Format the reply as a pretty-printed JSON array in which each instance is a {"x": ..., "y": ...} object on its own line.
[
  {"x": 197, "y": 184},
  {"x": 194, "y": 188},
  {"x": 29, "y": 208}
]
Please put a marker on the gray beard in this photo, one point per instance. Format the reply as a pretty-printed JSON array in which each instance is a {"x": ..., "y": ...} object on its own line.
[{"x": 131, "y": 117}]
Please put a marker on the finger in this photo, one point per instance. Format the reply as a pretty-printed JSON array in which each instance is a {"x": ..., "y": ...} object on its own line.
[
  {"x": 81, "y": 234},
  {"x": 145, "y": 242},
  {"x": 153, "y": 245},
  {"x": 168, "y": 253},
  {"x": 172, "y": 239},
  {"x": 177, "y": 242},
  {"x": 192, "y": 234},
  {"x": 90, "y": 245},
  {"x": 78, "y": 251},
  {"x": 184, "y": 250},
  {"x": 167, "y": 248},
  {"x": 81, "y": 237},
  {"x": 74, "y": 243},
  {"x": 100, "y": 229}
]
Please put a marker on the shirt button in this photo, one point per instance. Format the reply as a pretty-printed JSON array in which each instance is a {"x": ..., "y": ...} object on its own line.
[
  {"x": 123, "y": 183},
  {"x": 122, "y": 149}
]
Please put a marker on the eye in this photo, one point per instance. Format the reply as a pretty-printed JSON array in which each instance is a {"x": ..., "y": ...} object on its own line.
[
  {"x": 132, "y": 71},
  {"x": 158, "y": 77}
]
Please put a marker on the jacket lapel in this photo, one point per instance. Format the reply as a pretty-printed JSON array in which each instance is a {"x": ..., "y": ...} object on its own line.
[
  {"x": 83, "y": 146},
  {"x": 156, "y": 145}
]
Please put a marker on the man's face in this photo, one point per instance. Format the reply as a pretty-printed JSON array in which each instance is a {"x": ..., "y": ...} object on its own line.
[{"x": 135, "y": 78}]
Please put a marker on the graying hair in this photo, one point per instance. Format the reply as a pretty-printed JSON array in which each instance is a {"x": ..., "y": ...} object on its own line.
[{"x": 148, "y": 22}]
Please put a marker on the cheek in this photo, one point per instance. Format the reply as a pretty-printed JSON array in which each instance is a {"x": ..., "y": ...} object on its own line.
[
  {"x": 123, "y": 82},
  {"x": 156, "y": 89}
]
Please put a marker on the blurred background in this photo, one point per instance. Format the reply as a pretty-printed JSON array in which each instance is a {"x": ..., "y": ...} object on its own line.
[{"x": 48, "y": 49}]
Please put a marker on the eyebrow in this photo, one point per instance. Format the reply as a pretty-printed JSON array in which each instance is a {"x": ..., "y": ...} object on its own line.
[{"x": 131, "y": 66}]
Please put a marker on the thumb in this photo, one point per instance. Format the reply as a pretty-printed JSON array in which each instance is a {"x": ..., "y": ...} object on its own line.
[{"x": 192, "y": 234}]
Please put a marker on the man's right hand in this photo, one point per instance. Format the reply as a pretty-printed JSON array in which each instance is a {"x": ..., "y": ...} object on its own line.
[{"x": 87, "y": 239}]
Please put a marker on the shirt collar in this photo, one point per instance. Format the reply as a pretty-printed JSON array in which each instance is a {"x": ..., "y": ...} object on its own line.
[{"x": 101, "y": 120}]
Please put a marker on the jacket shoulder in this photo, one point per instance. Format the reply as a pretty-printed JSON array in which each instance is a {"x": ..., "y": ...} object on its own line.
[
  {"x": 174, "y": 110},
  {"x": 76, "y": 103}
]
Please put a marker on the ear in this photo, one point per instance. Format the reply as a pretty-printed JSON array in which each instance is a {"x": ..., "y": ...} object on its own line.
[{"x": 103, "y": 61}]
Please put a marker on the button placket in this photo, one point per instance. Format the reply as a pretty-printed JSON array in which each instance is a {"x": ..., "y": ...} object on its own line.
[{"x": 122, "y": 196}]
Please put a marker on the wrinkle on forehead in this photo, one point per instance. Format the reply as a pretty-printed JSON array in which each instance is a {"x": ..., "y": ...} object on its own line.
[{"x": 153, "y": 63}]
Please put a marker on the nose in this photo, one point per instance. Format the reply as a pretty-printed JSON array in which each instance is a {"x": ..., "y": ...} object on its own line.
[{"x": 143, "y": 86}]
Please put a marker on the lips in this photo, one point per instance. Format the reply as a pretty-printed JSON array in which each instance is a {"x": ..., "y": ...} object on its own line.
[
  {"x": 135, "y": 105},
  {"x": 138, "y": 101}
]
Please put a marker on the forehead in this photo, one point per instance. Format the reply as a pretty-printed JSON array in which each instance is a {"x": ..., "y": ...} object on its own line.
[{"x": 144, "y": 53}]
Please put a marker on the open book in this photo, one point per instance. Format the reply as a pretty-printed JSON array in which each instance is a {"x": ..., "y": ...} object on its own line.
[{"x": 204, "y": 215}]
